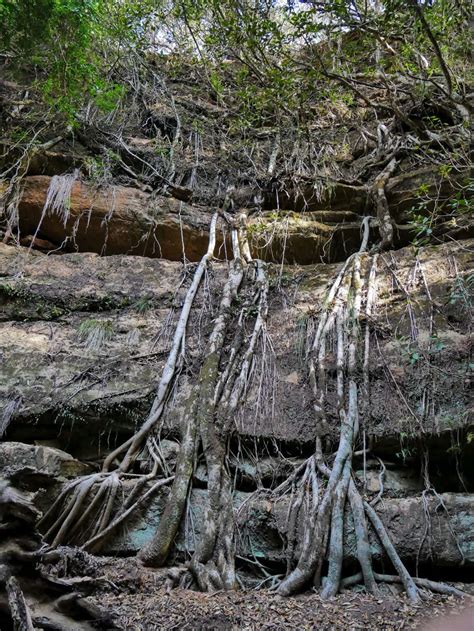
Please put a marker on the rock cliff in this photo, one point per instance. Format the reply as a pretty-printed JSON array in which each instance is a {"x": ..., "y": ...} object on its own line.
[{"x": 317, "y": 310}]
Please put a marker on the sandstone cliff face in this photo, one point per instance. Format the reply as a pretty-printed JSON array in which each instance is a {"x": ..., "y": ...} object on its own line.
[
  {"x": 123, "y": 220},
  {"x": 49, "y": 302},
  {"x": 83, "y": 340}
]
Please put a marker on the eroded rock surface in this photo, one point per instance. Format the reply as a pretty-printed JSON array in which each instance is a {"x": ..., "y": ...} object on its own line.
[
  {"x": 118, "y": 219},
  {"x": 84, "y": 339},
  {"x": 39, "y": 459}
]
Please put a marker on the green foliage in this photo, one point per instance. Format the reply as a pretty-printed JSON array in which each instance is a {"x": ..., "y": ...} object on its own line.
[
  {"x": 144, "y": 304},
  {"x": 423, "y": 227},
  {"x": 26, "y": 305},
  {"x": 463, "y": 202},
  {"x": 423, "y": 219},
  {"x": 100, "y": 168},
  {"x": 409, "y": 351},
  {"x": 413, "y": 354},
  {"x": 445, "y": 170},
  {"x": 66, "y": 41},
  {"x": 271, "y": 58},
  {"x": 94, "y": 333},
  {"x": 462, "y": 292},
  {"x": 14, "y": 291}
]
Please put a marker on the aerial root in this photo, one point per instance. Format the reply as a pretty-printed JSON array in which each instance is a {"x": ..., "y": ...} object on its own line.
[
  {"x": 93, "y": 544},
  {"x": 200, "y": 407},
  {"x": 336, "y": 544},
  {"x": 88, "y": 522},
  {"x": 66, "y": 517},
  {"x": 132, "y": 446},
  {"x": 362, "y": 538},
  {"x": 361, "y": 511},
  {"x": 340, "y": 319},
  {"x": 318, "y": 491},
  {"x": 339, "y": 316},
  {"x": 71, "y": 511},
  {"x": 406, "y": 579},
  {"x": 208, "y": 423}
]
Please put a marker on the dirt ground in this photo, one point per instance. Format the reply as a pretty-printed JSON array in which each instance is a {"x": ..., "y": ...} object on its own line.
[
  {"x": 188, "y": 610},
  {"x": 140, "y": 601}
]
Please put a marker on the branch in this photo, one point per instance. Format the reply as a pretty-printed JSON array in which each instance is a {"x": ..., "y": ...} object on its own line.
[{"x": 436, "y": 47}]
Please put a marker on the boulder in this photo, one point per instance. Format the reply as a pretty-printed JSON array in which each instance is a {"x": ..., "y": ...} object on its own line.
[{"x": 18, "y": 457}]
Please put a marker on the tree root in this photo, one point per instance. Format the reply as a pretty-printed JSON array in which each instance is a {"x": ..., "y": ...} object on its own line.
[
  {"x": 207, "y": 422},
  {"x": 67, "y": 517},
  {"x": 424, "y": 583},
  {"x": 403, "y": 573},
  {"x": 85, "y": 511},
  {"x": 132, "y": 446},
  {"x": 381, "y": 204},
  {"x": 320, "y": 490},
  {"x": 200, "y": 406},
  {"x": 347, "y": 285},
  {"x": 209, "y": 413},
  {"x": 340, "y": 317},
  {"x": 24, "y": 584},
  {"x": 19, "y": 610}
]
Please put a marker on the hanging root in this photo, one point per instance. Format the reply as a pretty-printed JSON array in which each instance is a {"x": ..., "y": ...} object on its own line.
[
  {"x": 381, "y": 204},
  {"x": 200, "y": 405},
  {"x": 173, "y": 363},
  {"x": 207, "y": 424},
  {"x": 323, "y": 490},
  {"x": 86, "y": 513},
  {"x": 75, "y": 508},
  {"x": 334, "y": 318},
  {"x": 362, "y": 538},
  {"x": 340, "y": 320},
  {"x": 213, "y": 564}
]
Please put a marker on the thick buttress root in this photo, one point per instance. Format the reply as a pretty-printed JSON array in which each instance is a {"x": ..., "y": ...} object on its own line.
[
  {"x": 339, "y": 325},
  {"x": 84, "y": 512},
  {"x": 91, "y": 499},
  {"x": 207, "y": 423}
]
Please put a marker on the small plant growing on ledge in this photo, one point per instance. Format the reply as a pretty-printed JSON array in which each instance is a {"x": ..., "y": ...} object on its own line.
[
  {"x": 94, "y": 333},
  {"x": 143, "y": 304}
]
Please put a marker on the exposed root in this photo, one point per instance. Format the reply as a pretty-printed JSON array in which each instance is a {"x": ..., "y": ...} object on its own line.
[
  {"x": 19, "y": 610},
  {"x": 94, "y": 542},
  {"x": 433, "y": 586},
  {"x": 132, "y": 446},
  {"x": 340, "y": 318},
  {"x": 381, "y": 204},
  {"x": 347, "y": 286},
  {"x": 200, "y": 406},
  {"x": 86, "y": 512},
  {"x": 362, "y": 538},
  {"x": 207, "y": 423},
  {"x": 67, "y": 517},
  {"x": 403, "y": 573}
]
